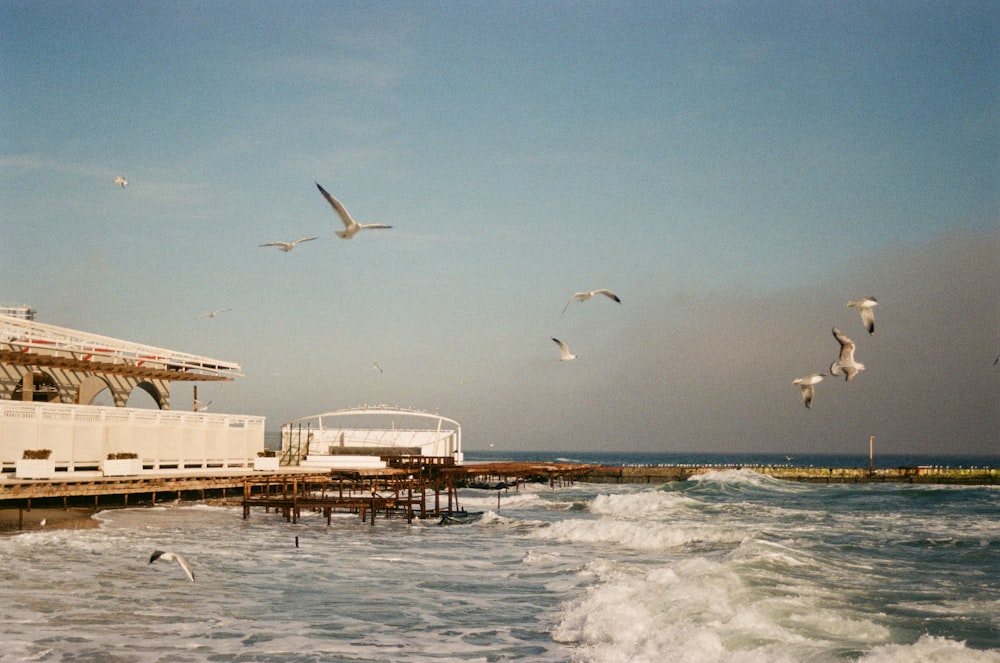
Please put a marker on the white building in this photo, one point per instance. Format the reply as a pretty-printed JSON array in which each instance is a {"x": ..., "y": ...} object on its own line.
[
  {"x": 50, "y": 376},
  {"x": 367, "y": 436}
]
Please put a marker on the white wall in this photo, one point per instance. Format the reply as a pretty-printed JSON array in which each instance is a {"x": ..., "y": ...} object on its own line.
[{"x": 82, "y": 436}]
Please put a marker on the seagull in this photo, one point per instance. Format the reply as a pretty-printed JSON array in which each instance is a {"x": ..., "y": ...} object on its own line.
[
  {"x": 864, "y": 306},
  {"x": 846, "y": 360},
  {"x": 378, "y": 369},
  {"x": 169, "y": 556},
  {"x": 288, "y": 246},
  {"x": 806, "y": 384},
  {"x": 564, "y": 350},
  {"x": 213, "y": 313},
  {"x": 351, "y": 227},
  {"x": 587, "y": 294},
  {"x": 201, "y": 407},
  {"x": 121, "y": 181}
]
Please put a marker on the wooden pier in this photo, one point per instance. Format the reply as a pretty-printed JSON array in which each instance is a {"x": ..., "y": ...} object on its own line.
[{"x": 410, "y": 488}]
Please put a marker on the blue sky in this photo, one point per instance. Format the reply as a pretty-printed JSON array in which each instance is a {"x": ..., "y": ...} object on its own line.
[{"x": 734, "y": 171}]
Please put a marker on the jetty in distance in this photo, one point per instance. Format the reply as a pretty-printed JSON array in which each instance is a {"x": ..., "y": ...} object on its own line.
[{"x": 974, "y": 476}]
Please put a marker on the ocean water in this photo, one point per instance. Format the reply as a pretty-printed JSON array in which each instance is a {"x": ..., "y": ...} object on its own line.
[{"x": 732, "y": 566}]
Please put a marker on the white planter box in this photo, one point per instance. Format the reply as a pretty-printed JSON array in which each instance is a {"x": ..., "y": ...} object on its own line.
[
  {"x": 121, "y": 467},
  {"x": 34, "y": 468},
  {"x": 266, "y": 463}
]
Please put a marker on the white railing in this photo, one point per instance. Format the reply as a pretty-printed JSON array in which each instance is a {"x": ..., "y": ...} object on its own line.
[
  {"x": 25, "y": 335},
  {"x": 373, "y": 426},
  {"x": 80, "y": 437}
]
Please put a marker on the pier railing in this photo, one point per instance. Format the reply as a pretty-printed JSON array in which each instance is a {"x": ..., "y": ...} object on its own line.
[{"x": 80, "y": 437}]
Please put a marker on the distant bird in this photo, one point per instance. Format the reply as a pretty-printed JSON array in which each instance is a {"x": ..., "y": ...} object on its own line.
[
  {"x": 351, "y": 227},
  {"x": 864, "y": 306},
  {"x": 788, "y": 458},
  {"x": 564, "y": 351},
  {"x": 378, "y": 369},
  {"x": 808, "y": 391},
  {"x": 214, "y": 313},
  {"x": 288, "y": 246},
  {"x": 201, "y": 407},
  {"x": 587, "y": 294},
  {"x": 121, "y": 181},
  {"x": 997, "y": 360},
  {"x": 846, "y": 361},
  {"x": 41, "y": 523},
  {"x": 169, "y": 556}
]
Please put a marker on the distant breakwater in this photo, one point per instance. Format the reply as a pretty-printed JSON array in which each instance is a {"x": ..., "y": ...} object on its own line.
[{"x": 976, "y": 476}]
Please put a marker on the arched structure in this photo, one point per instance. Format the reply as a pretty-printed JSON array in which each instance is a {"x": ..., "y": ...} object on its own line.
[
  {"x": 50, "y": 377},
  {"x": 40, "y": 362},
  {"x": 367, "y": 435}
]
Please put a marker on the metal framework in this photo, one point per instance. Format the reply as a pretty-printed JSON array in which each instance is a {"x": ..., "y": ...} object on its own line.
[
  {"x": 26, "y": 342},
  {"x": 371, "y": 429}
]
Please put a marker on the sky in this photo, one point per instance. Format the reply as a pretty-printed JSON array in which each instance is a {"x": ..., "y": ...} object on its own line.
[{"x": 735, "y": 172}]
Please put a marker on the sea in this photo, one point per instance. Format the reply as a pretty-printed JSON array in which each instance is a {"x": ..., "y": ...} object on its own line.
[{"x": 729, "y": 566}]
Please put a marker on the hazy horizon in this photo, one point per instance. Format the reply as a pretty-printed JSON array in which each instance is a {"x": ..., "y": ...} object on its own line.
[{"x": 735, "y": 173}]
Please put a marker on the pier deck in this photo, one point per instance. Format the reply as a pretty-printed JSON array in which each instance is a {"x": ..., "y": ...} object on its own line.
[{"x": 414, "y": 491}]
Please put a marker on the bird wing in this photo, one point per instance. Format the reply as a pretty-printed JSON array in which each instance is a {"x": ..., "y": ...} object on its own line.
[
  {"x": 605, "y": 291},
  {"x": 370, "y": 226},
  {"x": 184, "y": 565},
  {"x": 846, "y": 347},
  {"x": 338, "y": 208},
  {"x": 868, "y": 318},
  {"x": 304, "y": 239},
  {"x": 807, "y": 394},
  {"x": 275, "y": 244},
  {"x": 563, "y": 348}
]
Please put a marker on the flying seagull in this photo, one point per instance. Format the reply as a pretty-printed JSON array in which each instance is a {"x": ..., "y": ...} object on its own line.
[
  {"x": 214, "y": 313},
  {"x": 288, "y": 246},
  {"x": 846, "y": 361},
  {"x": 587, "y": 294},
  {"x": 121, "y": 181},
  {"x": 351, "y": 227},
  {"x": 378, "y": 369},
  {"x": 564, "y": 351},
  {"x": 169, "y": 556},
  {"x": 808, "y": 391},
  {"x": 864, "y": 306}
]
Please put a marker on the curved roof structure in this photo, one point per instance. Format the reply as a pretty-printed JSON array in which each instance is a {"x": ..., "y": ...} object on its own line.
[
  {"x": 375, "y": 410},
  {"x": 27, "y": 342},
  {"x": 374, "y": 430}
]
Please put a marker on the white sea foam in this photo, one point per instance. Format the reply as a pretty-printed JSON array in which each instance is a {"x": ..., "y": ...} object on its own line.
[
  {"x": 702, "y": 610},
  {"x": 698, "y": 571},
  {"x": 929, "y": 649}
]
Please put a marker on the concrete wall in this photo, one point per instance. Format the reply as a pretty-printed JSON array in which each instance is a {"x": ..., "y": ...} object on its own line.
[{"x": 81, "y": 437}]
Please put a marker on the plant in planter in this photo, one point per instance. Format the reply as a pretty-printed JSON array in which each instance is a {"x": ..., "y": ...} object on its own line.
[
  {"x": 36, "y": 454},
  {"x": 121, "y": 463},
  {"x": 266, "y": 460},
  {"x": 35, "y": 464}
]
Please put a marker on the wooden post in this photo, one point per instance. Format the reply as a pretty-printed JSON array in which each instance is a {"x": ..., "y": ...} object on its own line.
[{"x": 871, "y": 454}]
